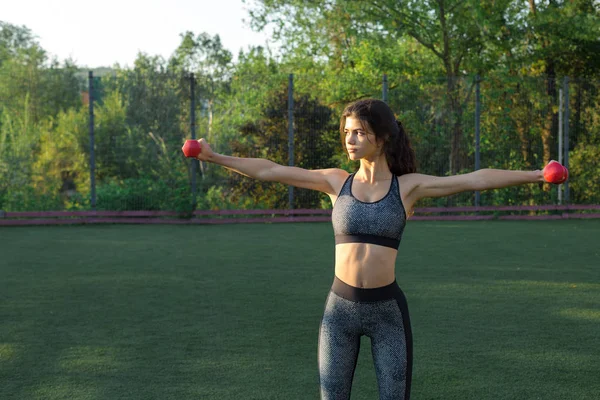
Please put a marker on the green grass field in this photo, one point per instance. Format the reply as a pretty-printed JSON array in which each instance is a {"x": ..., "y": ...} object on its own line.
[{"x": 500, "y": 310}]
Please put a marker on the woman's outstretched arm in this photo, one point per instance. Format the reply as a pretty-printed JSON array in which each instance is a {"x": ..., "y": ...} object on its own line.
[
  {"x": 418, "y": 186},
  {"x": 324, "y": 180},
  {"x": 434, "y": 186}
]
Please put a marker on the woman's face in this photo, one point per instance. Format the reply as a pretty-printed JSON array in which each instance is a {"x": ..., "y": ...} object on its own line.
[{"x": 360, "y": 141}]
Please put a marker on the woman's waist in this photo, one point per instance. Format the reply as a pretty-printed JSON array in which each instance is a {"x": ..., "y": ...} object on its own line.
[
  {"x": 368, "y": 265},
  {"x": 365, "y": 256},
  {"x": 365, "y": 268},
  {"x": 366, "y": 294}
]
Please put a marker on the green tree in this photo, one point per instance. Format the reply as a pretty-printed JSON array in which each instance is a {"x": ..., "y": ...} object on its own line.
[
  {"x": 154, "y": 97},
  {"x": 18, "y": 143},
  {"x": 456, "y": 33},
  {"x": 61, "y": 166},
  {"x": 27, "y": 76},
  {"x": 34, "y": 95},
  {"x": 254, "y": 80},
  {"x": 18, "y": 42},
  {"x": 316, "y": 145},
  {"x": 210, "y": 62}
]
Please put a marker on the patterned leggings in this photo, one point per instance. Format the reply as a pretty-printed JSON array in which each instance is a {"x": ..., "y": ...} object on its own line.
[{"x": 382, "y": 315}]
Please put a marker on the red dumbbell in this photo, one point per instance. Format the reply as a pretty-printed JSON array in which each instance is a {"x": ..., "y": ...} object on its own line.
[
  {"x": 191, "y": 148},
  {"x": 555, "y": 173}
]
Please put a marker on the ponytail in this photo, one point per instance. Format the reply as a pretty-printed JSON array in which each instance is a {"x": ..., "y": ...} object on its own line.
[{"x": 399, "y": 154}]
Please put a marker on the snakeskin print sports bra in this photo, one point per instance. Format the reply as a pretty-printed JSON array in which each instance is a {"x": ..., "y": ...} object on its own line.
[{"x": 381, "y": 222}]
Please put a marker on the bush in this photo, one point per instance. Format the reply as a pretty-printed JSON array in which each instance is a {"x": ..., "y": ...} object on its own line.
[
  {"x": 584, "y": 174},
  {"x": 27, "y": 198},
  {"x": 147, "y": 193}
]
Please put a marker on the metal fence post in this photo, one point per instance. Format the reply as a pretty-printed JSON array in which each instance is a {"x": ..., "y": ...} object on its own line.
[
  {"x": 92, "y": 141},
  {"x": 477, "y": 132},
  {"x": 385, "y": 88},
  {"x": 193, "y": 133},
  {"x": 566, "y": 133},
  {"x": 291, "y": 134},
  {"x": 560, "y": 138}
]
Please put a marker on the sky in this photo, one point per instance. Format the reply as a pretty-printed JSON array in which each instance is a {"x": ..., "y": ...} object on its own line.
[{"x": 105, "y": 32}]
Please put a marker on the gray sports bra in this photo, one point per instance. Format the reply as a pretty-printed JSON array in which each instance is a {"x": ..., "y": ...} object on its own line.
[{"x": 381, "y": 222}]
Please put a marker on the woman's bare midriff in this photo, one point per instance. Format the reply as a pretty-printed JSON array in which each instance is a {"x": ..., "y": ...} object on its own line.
[{"x": 365, "y": 265}]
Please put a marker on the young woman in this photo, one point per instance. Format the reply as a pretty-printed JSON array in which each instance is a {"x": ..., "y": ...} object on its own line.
[{"x": 370, "y": 209}]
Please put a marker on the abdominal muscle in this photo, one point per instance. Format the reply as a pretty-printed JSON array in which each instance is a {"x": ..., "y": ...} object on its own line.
[{"x": 365, "y": 265}]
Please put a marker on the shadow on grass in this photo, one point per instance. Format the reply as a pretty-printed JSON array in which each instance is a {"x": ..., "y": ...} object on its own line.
[
  {"x": 506, "y": 340},
  {"x": 170, "y": 333},
  {"x": 233, "y": 312}
]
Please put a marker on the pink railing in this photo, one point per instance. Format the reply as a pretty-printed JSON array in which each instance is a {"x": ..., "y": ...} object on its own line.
[{"x": 547, "y": 212}]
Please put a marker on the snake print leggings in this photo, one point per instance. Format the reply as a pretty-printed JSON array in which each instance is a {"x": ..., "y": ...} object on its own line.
[{"x": 382, "y": 315}]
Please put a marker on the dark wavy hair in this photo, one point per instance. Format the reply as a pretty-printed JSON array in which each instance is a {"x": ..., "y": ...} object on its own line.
[{"x": 381, "y": 121}]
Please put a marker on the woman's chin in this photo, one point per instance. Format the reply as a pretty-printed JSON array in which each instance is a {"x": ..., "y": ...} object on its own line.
[{"x": 353, "y": 156}]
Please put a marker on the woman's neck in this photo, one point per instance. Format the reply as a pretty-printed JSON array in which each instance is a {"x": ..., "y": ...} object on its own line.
[{"x": 374, "y": 171}]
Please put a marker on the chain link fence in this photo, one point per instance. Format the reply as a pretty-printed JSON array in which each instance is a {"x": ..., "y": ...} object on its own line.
[{"x": 113, "y": 142}]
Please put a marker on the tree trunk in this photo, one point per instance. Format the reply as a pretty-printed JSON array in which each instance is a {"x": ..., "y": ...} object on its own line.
[
  {"x": 457, "y": 154},
  {"x": 522, "y": 132},
  {"x": 209, "y": 136},
  {"x": 547, "y": 135},
  {"x": 577, "y": 124},
  {"x": 453, "y": 93},
  {"x": 551, "y": 93},
  {"x": 551, "y": 117},
  {"x": 210, "y": 119},
  {"x": 521, "y": 118}
]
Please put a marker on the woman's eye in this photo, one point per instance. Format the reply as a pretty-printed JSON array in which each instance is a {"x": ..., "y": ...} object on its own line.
[{"x": 359, "y": 133}]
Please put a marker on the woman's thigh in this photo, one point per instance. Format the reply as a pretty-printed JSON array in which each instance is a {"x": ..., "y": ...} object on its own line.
[
  {"x": 339, "y": 345},
  {"x": 391, "y": 346}
]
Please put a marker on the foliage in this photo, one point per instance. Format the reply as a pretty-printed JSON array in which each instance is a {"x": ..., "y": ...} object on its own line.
[
  {"x": 583, "y": 159},
  {"x": 62, "y": 161},
  {"x": 28, "y": 198},
  {"x": 223, "y": 198},
  {"x": 337, "y": 51},
  {"x": 144, "y": 193},
  {"x": 316, "y": 140}
]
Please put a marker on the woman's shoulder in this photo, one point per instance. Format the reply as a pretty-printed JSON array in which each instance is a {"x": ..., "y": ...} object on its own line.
[
  {"x": 409, "y": 182},
  {"x": 336, "y": 178},
  {"x": 334, "y": 173},
  {"x": 410, "y": 179}
]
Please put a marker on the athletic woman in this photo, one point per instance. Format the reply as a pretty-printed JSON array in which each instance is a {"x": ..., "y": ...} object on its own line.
[{"x": 370, "y": 209}]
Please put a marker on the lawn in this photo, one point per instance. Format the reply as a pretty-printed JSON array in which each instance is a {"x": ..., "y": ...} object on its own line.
[{"x": 500, "y": 310}]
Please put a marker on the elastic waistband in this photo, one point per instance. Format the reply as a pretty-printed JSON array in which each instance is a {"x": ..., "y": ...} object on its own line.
[
  {"x": 357, "y": 294},
  {"x": 372, "y": 239}
]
